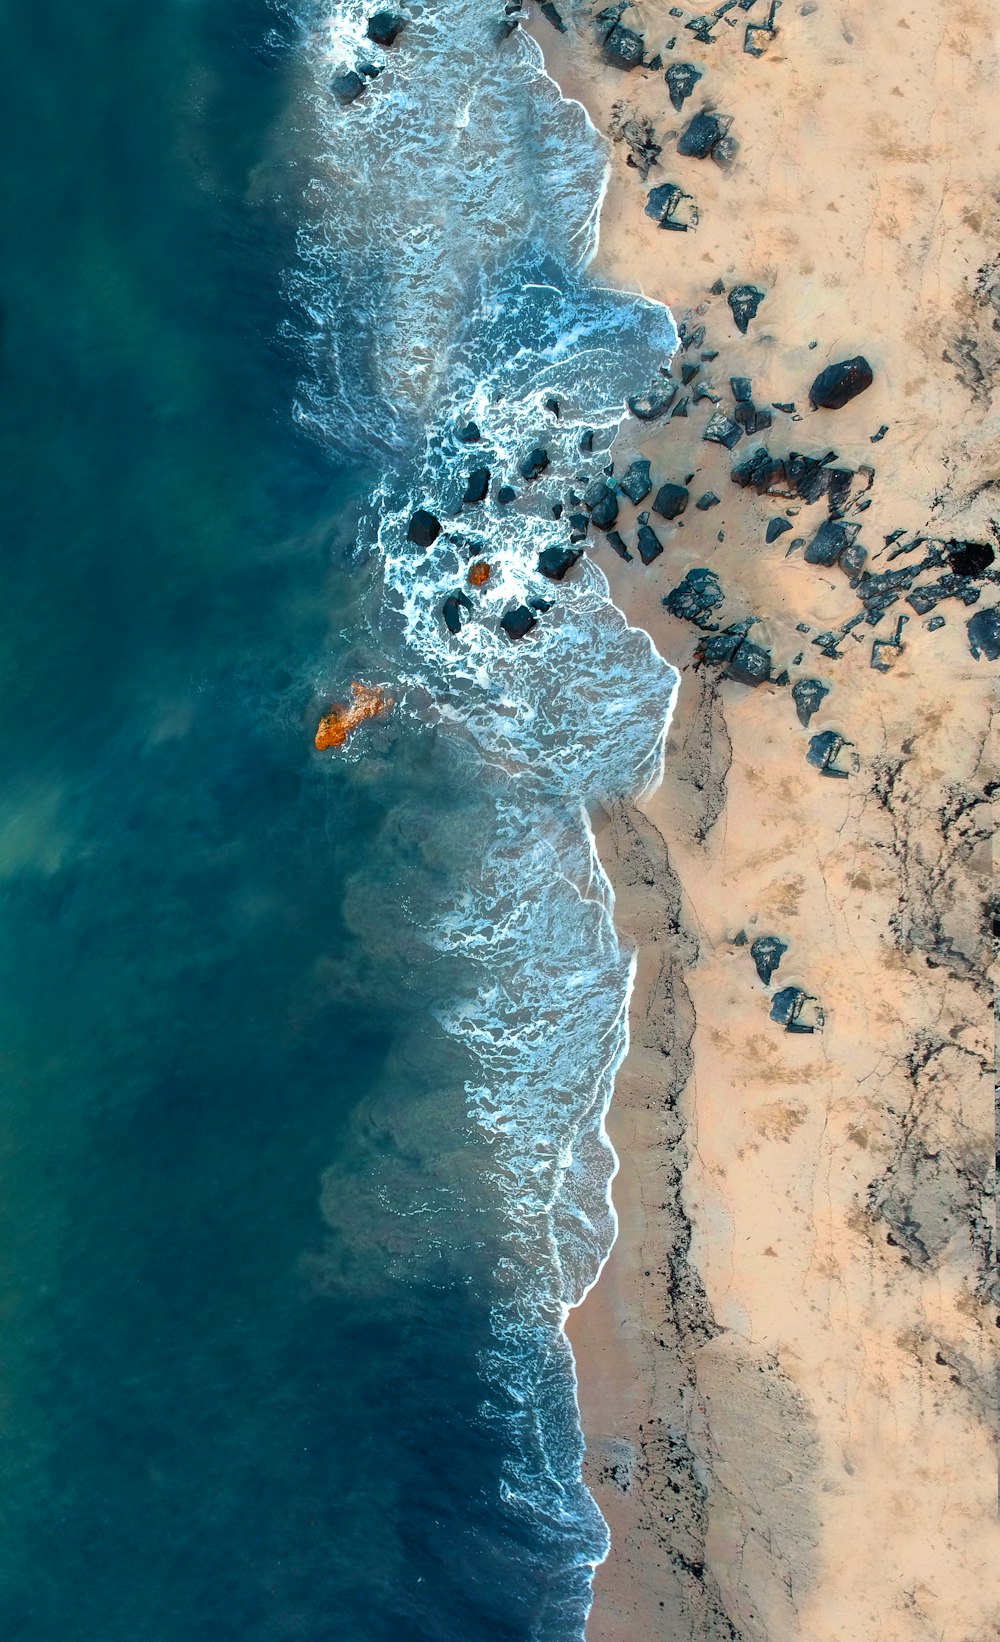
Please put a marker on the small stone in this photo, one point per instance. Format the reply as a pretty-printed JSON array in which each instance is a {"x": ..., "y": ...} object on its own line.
[
  {"x": 708, "y": 500},
  {"x": 935, "y": 623},
  {"x": 721, "y": 430},
  {"x": 883, "y": 430}
]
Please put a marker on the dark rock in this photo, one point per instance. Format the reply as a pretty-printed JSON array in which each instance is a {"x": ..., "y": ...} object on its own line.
[
  {"x": 984, "y": 634},
  {"x": 883, "y": 430},
  {"x": 750, "y": 664},
  {"x": 371, "y": 71},
  {"x": 640, "y": 135},
  {"x": 767, "y": 952},
  {"x": 635, "y": 482},
  {"x": 505, "y": 495},
  {"x": 702, "y": 133},
  {"x": 603, "y": 504},
  {"x": 720, "y": 648},
  {"x": 540, "y": 604},
  {"x": 786, "y": 405},
  {"x": 852, "y": 562},
  {"x": 579, "y": 523},
  {"x": 478, "y": 487},
  {"x": 554, "y": 562},
  {"x": 347, "y": 87},
  {"x": 721, "y": 430},
  {"x": 587, "y": 441},
  {"x": 744, "y": 302},
  {"x": 707, "y": 501},
  {"x": 742, "y": 389},
  {"x": 830, "y": 541},
  {"x": 681, "y": 80},
  {"x": 777, "y": 527},
  {"x": 689, "y": 371},
  {"x": 552, "y": 15},
  {"x": 518, "y": 622},
  {"x": 649, "y": 544},
  {"x": 452, "y": 610},
  {"x": 648, "y": 406},
  {"x": 760, "y": 471},
  {"x": 725, "y": 151},
  {"x": 534, "y": 463},
  {"x": 789, "y": 1006},
  {"x": 625, "y": 48},
  {"x": 423, "y": 529},
  {"x": 757, "y": 38},
  {"x": 671, "y": 500},
  {"x": 696, "y": 596},
  {"x": 783, "y": 678},
  {"x": 469, "y": 434},
  {"x": 665, "y": 205},
  {"x": 839, "y": 384},
  {"x": 970, "y": 558},
  {"x": 937, "y": 622},
  {"x": 824, "y": 749},
  {"x": 552, "y": 406},
  {"x": 385, "y": 27},
  {"x": 617, "y": 541},
  {"x": 681, "y": 407}
]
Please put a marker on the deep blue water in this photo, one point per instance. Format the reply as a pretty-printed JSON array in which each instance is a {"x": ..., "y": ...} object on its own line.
[{"x": 259, "y": 1377}]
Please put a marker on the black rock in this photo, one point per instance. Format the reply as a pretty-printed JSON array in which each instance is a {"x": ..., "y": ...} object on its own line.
[
  {"x": 839, "y": 384},
  {"x": 702, "y": 133},
  {"x": 423, "y": 529},
  {"x": 744, "y": 302},
  {"x": 506, "y": 494},
  {"x": 787, "y": 1007},
  {"x": 664, "y": 204},
  {"x": 708, "y": 500},
  {"x": 554, "y": 562},
  {"x": 347, "y": 87},
  {"x": 880, "y": 435},
  {"x": 552, "y": 15},
  {"x": 852, "y": 562},
  {"x": 830, "y": 541},
  {"x": 759, "y": 471},
  {"x": 767, "y": 952},
  {"x": 671, "y": 501},
  {"x": 984, "y": 634},
  {"x": 649, "y": 544},
  {"x": 689, "y": 371},
  {"x": 552, "y": 406},
  {"x": 540, "y": 604},
  {"x": 579, "y": 523},
  {"x": 720, "y": 648},
  {"x": 635, "y": 481},
  {"x": 824, "y": 749},
  {"x": 681, "y": 407},
  {"x": 519, "y": 621},
  {"x": 603, "y": 504},
  {"x": 750, "y": 664},
  {"x": 722, "y": 430},
  {"x": 452, "y": 610},
  {"x": 970, "y": 558},
  {"x": 385, "y": 27},
  {"x": 625, "y": 48},
  {"x": 696, "y": 596},
  {"x": 725, "y": 151},
  {"x": 785, "y": 405},
  {"x": 808, "y": 695},
  {"x": 534, "y": 463},
  {"x": 587, "y": 440},
  {"x": 470, "y": 434},
  {"x": 937, "y": 622},
  {"x": 777, "y": 527},
  {"x": 648, "y": 406},
  {"x": 742, "y": 389},
  {"x": 681, "y": 80},
  {"x": 617, "y": 541},
  {"x": 478, "y": 487}
]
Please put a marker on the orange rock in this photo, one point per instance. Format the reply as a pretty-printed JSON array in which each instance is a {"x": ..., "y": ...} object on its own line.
[
  {"x": 479, "y": 573},
  {"x": 370, "y": 701}
]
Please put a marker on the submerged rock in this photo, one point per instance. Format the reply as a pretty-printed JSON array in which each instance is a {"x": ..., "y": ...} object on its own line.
[
  {"x": 424, "y": 528},
  {"x": 534, "y": 463},
  {"x": 808, "y": 695},
  {"x": 470, "y": 434},
  {"x": 347, "y": 87},
  {"x": 519, "y": 621},
  {"x": 839, "y": 384},
  {"x": 767, "y": 952},
  {"x": 744, "y": 301},
  {"x": 671, "y": 501},
  {"x": 681, "y": 80},
  {"x": 369, "y": 701}
]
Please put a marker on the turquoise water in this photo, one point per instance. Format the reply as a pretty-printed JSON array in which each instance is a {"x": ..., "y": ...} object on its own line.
[{"x": 304, "y": 1058}]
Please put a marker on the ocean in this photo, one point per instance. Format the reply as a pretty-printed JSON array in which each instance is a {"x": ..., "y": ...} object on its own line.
[{"x": 305, "y": 1056}]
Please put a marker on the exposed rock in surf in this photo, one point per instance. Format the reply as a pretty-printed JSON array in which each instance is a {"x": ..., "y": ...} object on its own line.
[
  {"x": 554, "y": 562},
  {"x": 744, "y": 301},
  {"x": 424, "y": 528},
  {"x": 456, "y": 608},
  {"x": 518, "y": 622},
  {"x": 470, "y": 434},
  {"x": 478, "y": 487},
  {"x": 648, "y": 406},
  {"x": 552, "y": 15},
  {"x": 671, "y": 501},
  {"x": 385, "y": 27},
  {"x": 767, "y": 952},
  {"x": 368, "y": 701},
  {"x": 808, "y": 695},
  {"x": 534, "y": 463},
  {"x": 603, "y": 504},
  {"x": 839, "y": 384},
  {"x": 681, "y": 80},
  {"x": 505, "y": 495}
]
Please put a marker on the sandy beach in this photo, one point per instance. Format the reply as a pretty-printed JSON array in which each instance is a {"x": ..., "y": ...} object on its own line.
[{"x": 787, "y": 1369}]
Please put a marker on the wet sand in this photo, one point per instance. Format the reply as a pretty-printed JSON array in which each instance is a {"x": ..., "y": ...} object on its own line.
[{"x": 787, "y": 1370}]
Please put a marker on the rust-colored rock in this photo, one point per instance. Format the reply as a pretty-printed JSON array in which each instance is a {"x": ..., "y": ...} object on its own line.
[
  {"x": 370, "y": 701},
  {"x": 479, "y": 573}
]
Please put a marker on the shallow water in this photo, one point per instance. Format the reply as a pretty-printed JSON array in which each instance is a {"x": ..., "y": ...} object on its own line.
[{"x": 305, "y": 1059}]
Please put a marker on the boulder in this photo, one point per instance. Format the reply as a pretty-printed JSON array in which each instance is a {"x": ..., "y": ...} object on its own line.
[
  {"x": 767, "y": 952},
  {"x": 649, "y": 544},
  {"x": 681, "y": 80},
  {"x": 423, "y": 529},
  {"x": 824, "y": 749},
  {"x": 347, "y": 87},
  {"x": 707, "y": 501},
  {"x": 829, "y": 542},
  {"x": 722, "y": 430},
  {"x": 452, "y": 611},
  {"x": 744, "y": 300},
  {"x": 787, "y": 1007},
  {"x": 534, "y": 463},
  {"x": 749, "y": 664},
  {"x": 554, "y": 562},
  {"x": 478, "y": 487},
  {"x": 701, "y": 134},
  {"x": 777, "y": 527},
  {"x": 617, "y": 541},
  {"x": 984, "y": 634},
  {"x": 671, "y": 501},
  {"x": 506, "y": 494},
  {"x": 696, "y": 596},
  {"x": 970, "y": 558},
  {"x": 518, "y": 621},
  {"x": 625, "y": 48},
  {"x": 648, "y": 406},
  {"x": 635, "y": 481},
  {"x": 808, "y": 695},
  {"x": 603, "y": 504},
  {"x": 839, "y": 384},
  {"x": 385, "y": 27}
]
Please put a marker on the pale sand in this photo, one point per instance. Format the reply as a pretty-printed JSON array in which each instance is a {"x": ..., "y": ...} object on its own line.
[{"x": 787, "y": 1368}]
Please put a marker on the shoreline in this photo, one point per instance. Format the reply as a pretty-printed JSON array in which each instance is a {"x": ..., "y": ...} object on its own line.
[{"x": 784, "y": 1369}]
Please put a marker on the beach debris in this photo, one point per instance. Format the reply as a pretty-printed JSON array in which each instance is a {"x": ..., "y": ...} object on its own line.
[
  {"x": 624, "y": 48},
  {"x": 703, "y": 133},
  {"x": 470, "y": 434},
  {"x": 477, "y": 488},
  {"x": 824, "y": 750},
  {"x": 707, "y": 501},
  {"x": 649, "y": 544},
  {"x": 519, "y": 620},
  {"x": 722, "y": 430},
  {"x": 767, "y": 952},
  {"x": 385, "y": 27},
  {"x": 984, "y": 634},
  {"x": 452, "y": 610},
  {"x": 347, "y": 87},
  {"x": 681, "y": 80},
  {"x": 554, "y": 562},
  {"x": 790, "y": 1008},
  {"x": 671, "y": 501},
  {"x": 665, "y": 202},
  {"x": 369, "y": 701},
  {"x": 552, "y": 15},
  {"x": 744, "y": 300},
  {"x": 617, "y": 541},
  {"x": 653, "y": 404},
  {"x": 839, "y": 384},
  {"x": 635, "y": 482},
  {"x": 479, "y": 573},
  {"x": 695, "y": 597},
  {"x": 424, "y": 528},
  {"x": 776, "y": 527},
  {"x": 534, "y": 463},
  {"x": 808, "y": 695}
]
